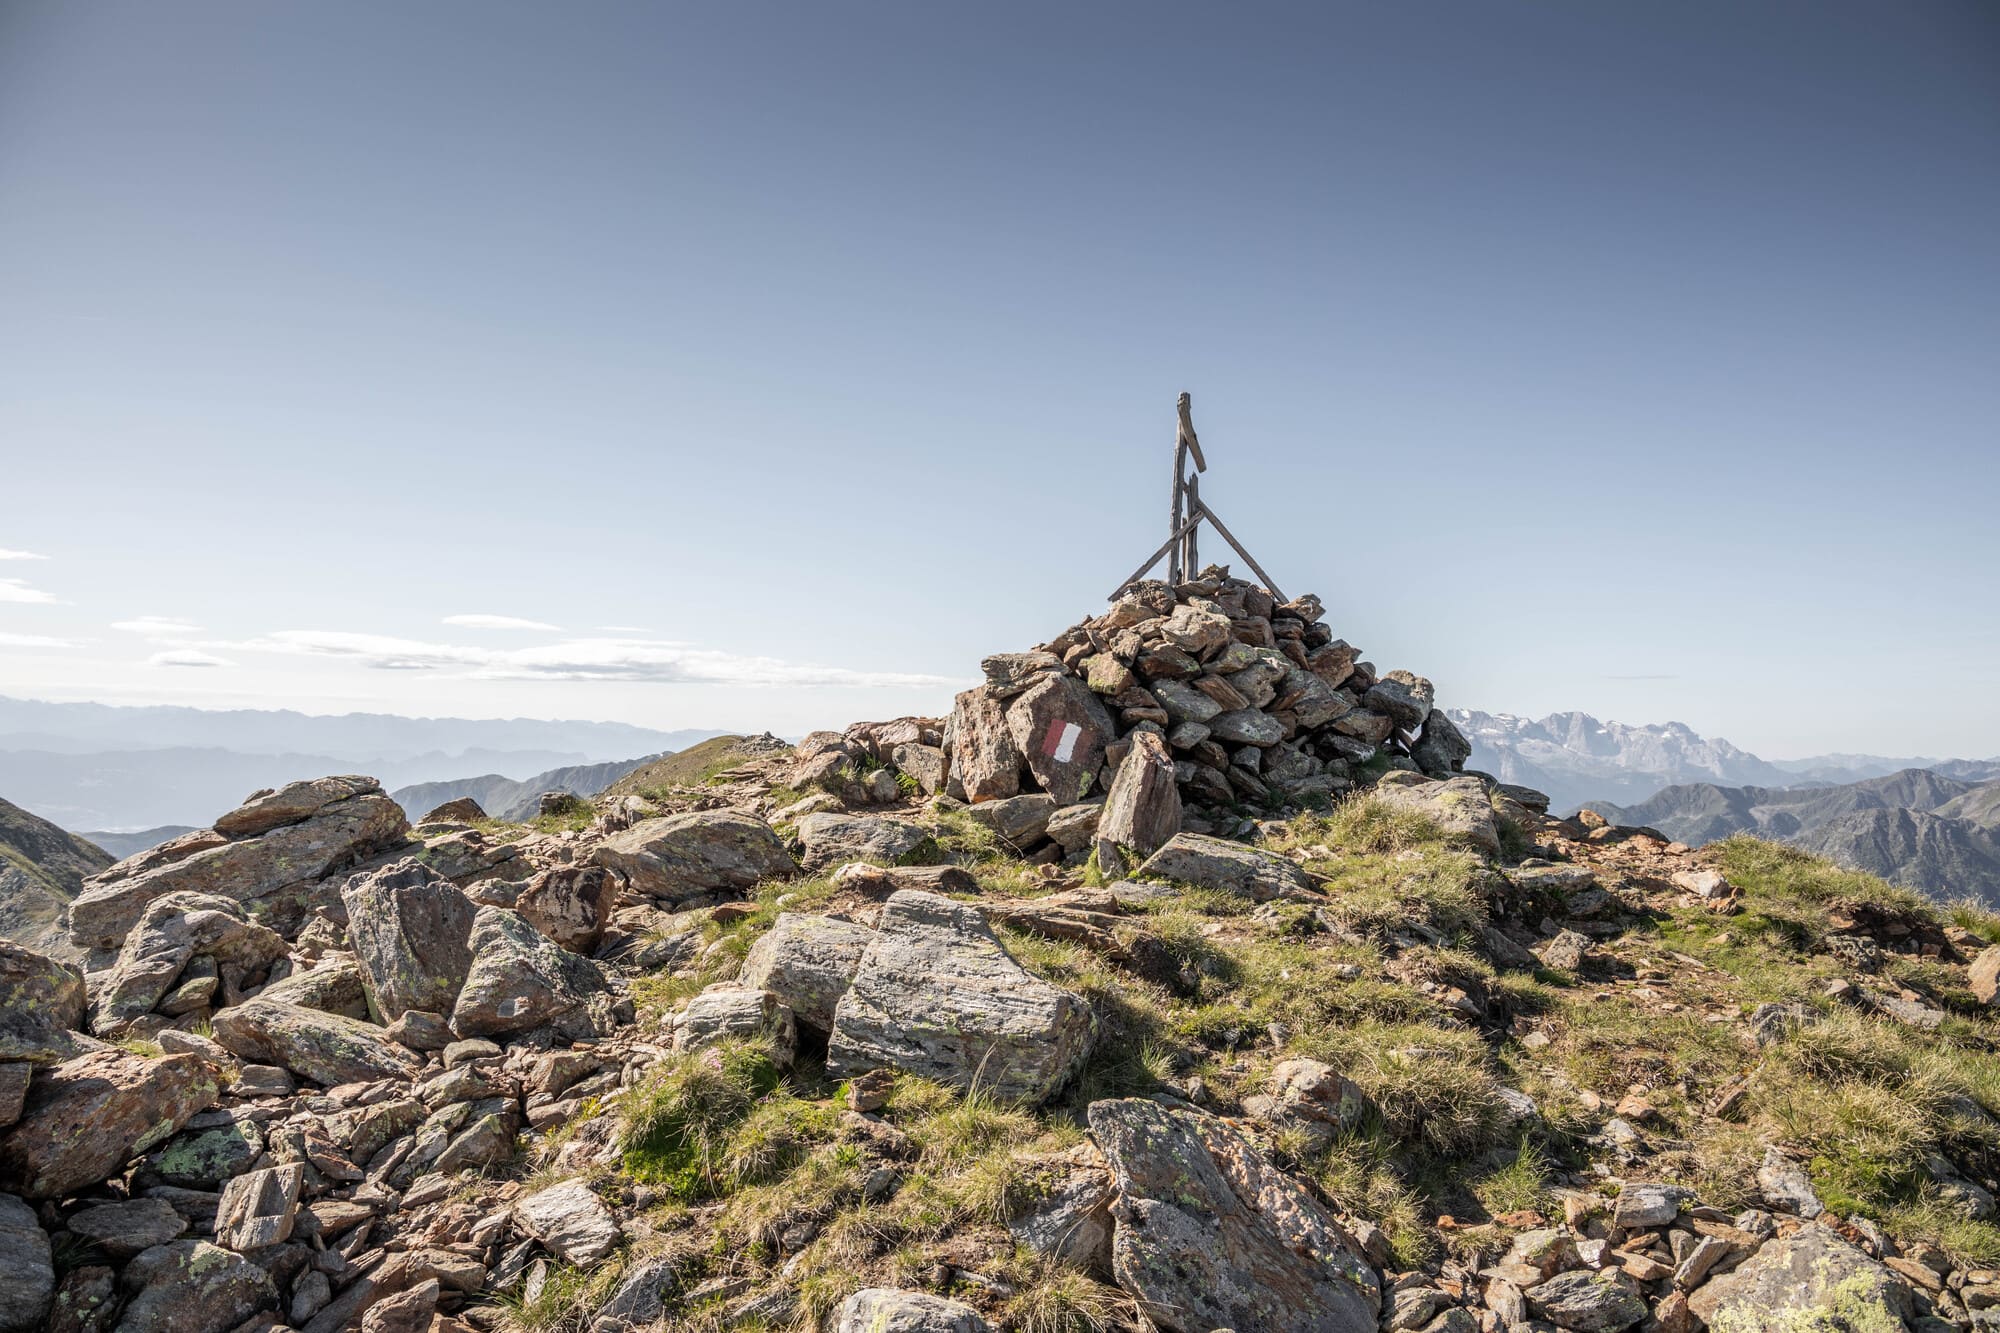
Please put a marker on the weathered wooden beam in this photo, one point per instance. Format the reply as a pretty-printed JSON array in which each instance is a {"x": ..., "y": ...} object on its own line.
[
  {"x": 1203, "y": 511},
  {"x": 1190, "y": 559},
  {"x": 1154, "y": 558},
  {"x": 1187, "y": 435},
  {"x": 1180, "y": 508}
]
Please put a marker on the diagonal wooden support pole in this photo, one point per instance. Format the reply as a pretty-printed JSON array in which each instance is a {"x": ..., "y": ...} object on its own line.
[
  {"x": 1203, "y": 511},
  {"x": 1154, "y": 558}
]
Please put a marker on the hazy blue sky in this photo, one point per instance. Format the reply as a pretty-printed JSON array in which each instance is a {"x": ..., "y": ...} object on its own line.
[{"x": 1639, "y": 359}]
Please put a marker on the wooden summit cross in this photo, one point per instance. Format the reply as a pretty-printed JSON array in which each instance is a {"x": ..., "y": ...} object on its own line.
[{"x": 1189, "y": 511}]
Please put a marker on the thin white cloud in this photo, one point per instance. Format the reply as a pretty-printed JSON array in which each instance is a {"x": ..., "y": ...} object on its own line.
[
  {"x": 187, "y": 657},
  {"x": 647, "y": 660},
  {"x": 6, "y": 554},
  {"x": 625, "y": 629},
  {"x": 158, "y": 627},
  {"x": 498, "y": 622},
  {"x": 17, "y": 590},
  {"x": 33, "y": 641}
]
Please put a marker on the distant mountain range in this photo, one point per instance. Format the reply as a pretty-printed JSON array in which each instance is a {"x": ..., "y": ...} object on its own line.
[
  {"x": 1575, "y": 758},
  {"x": 99, "y": 766},
  {"x": 505, "y": 798},
  {"x": 1919, "y": 827},
  {"x": 41, "y": 869}
]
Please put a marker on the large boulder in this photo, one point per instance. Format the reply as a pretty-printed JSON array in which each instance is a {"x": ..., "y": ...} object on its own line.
[
  {"x": 696, "y": 853},
  {"x": 173, "y": 930},
  {"x": 829, "y": 839},
  {"x": 521, "y": 979},
  {"x": 1230, "y": 867},
  {"x": 410, "y": 929},
  {"x": 571, "y": 905},
  {"x": 267, "y": 870},
  {"x": 191, "y": 1286},
  {"x": 293, "y": 803},
  {"x": 985, "y": 761},
  {"x": 86, "y": 1118},
  {"x": 937, "y": 995},
  {"x": 1143, "y": 808},
  {"x": 1812, "y": 1278},
  {"x": 888, "y": 1310},
  {"x": 1061, "y": 729},
  {"x": 1210, "y": 1235},
  {"x": 1587, "y": 1302},
  {"x": 808, "y": 962},
  {"x": 27, "y": 1274},
  {"x": 1459, "y": 806},
  {"x": 41, "y": 1004},
  {"x": 327, "y": 1048},
  {"x": 336, "y": 985}
]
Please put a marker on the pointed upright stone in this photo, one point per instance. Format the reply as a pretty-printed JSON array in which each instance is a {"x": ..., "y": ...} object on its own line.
[{"x": 1143, "y": 809}]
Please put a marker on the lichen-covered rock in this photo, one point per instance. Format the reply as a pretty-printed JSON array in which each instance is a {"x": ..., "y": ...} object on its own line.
[
  {"x": 174, "y": 929},
  {"x": 520, "y": 979},
  {"x": 27, "y": 1274},
  {"x": 257, "y": 1208},
  {"x": 1060, "y": 729},
  {"x": 204, "y": 1159},
  {"x": 570, "y": 1221},
  {"x": 1069, "y": 1215},
  {"x": 1588, "y": 1302},
  {"x": 326, "y": 1048},
  {"x": 571, "y": 905},
  {"x": 695, "y": 853},
  {"x": 411, "y": 931},
  {"x": 41, "y": 1002},
  {"x": 1230, "y": 867},
  {"x": 985, "y": 761},
  {"x": 829, "y": 839},
  {"x": 808, "y": 962},
  {"x": 1812, "y": 1278},
  {"x": 1143, "y": 808},
  {"x": 334, "y": 985},
  {"x": 1210, "y": 1235},
  {"x": 1460, "y": 806},
  {"x": 937, "y": 995},
  {"x": 86, "y": 1118},
  {"x": 266, "y": 871},
  {"x": 887, "y": 1310},
  {"x": 123, "y": 1228},
  {"x": 1309, "y": 1097},
  {"x": 727, "y": 1011},
  {"x": 292, "y": 803},
  {"x": 191, "y": 1286}
]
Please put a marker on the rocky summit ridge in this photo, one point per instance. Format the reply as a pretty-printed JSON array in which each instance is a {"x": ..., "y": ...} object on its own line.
[{"x": 1180, "y": 979}]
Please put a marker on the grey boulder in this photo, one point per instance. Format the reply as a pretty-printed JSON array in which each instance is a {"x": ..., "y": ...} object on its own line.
[
  {"x": 1810, "y": 1279},
  {"x": 520, "y": 979},
  {"x": 887, "y": 1310},
  {"x": 410, "y": 929},
  {"x": 191, "y": 1286},
  {"x": 1143, "y": 808},
  {"x": 694, "y": 854},
  {"x": 327, "y": 1048},
  {"x": 1210, "y": 1235},
  {"x": 808, "y": 962},
  {"x": 173, "y": 930},
  {"x": 41, "y": 1003},
  {"x": 829, "y": 840},
  {"x": 937, "y": 995},
  {"x": 27, "y": 1273},
  {"x": 1230, "y": 867},
  {"x": 1460, "y": 806}
]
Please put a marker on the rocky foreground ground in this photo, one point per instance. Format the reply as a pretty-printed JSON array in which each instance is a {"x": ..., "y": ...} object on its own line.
[{"x": 1057, "y": 1014}]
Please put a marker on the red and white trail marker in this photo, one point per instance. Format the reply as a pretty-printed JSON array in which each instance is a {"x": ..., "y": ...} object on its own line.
[{"x": 1061, "y": 741}]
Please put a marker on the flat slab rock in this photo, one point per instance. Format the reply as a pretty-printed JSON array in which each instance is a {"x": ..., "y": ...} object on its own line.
[
  {"x": 571, "y": 1221},
  {"x": 887, "y": 1310},
  {"x": 329, "y": 1049},
  {"x": 808, "y": 962},
  {"x": 85, "y": 1119},
  {"x": 1458, "y": 806},
  {"x": 829, "y": 839},
  {"x": 695, "y": 853},
  {"x": 250, "y": 869},
  {"x": 1210, "y": 1235},
  {"x": 1813, "y": 1270},
  {"x": 937, "y": 995},
  {"x": 1229, "y": 867}
]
